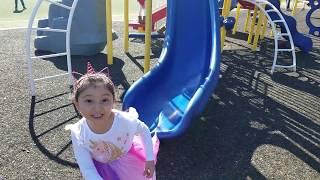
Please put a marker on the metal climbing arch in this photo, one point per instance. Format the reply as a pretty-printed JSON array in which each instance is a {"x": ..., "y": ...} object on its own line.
[
  {"x": 31, "y": 58},
  {"x": 277, "y": 19}
]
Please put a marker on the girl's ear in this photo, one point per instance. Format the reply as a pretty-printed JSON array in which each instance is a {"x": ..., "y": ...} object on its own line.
[{"x": 76, "y": 104}]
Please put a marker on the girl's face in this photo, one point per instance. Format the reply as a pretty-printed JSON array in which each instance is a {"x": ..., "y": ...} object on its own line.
[{"x": 95, "y": 103}]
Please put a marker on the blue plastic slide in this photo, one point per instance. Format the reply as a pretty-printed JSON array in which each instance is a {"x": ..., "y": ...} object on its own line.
[
  {"x": 177, "y": 89},
  {"x": 299, "y": 40}
]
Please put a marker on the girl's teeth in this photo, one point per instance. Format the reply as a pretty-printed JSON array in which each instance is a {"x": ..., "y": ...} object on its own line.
[{"x": 97, "y": 116}]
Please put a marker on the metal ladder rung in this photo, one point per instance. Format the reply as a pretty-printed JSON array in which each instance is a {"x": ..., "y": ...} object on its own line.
[
  {"x": 50, "y": 77},
  {"x": 282, "y": 66},
  {"x": 277, "y": 21},
  {"x": 49, "y": 56},
  {"x": 59, "y": 4},
  {"x": 282, "y": 34},
  {"x": 285, "y": 49},
  {"x": 270, "y": 10},
  {"x": 51, "y": 30}
]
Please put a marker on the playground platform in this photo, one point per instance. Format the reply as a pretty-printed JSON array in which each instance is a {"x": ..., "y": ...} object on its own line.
[{"x": 255, "y": 125}]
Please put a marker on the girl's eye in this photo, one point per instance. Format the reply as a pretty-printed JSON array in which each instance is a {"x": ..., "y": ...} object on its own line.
[
  {"x": 88, "y": 100},
  {"x": 105, "y": 100}
]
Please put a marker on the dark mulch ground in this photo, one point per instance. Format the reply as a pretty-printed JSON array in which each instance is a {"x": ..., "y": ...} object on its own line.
[{"x": 255, "y": 125}]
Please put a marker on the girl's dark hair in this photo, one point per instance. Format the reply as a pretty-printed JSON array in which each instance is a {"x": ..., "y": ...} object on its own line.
[{"x": 88, "y": 80}]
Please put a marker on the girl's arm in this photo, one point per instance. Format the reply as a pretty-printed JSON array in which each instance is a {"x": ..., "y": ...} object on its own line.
[
  {"x": 84, "y": 160},
  {"x": 144, "y": 132}
]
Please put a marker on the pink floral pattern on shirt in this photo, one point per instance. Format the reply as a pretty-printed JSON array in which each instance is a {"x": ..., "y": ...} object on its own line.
[{"x": 104, "y": 152}]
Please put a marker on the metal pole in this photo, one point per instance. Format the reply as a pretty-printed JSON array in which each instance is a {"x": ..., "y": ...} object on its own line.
[
  {"x": 109, "y": 31},
  {"x": 126, "y": 26},
  {"x": 147, "y": 35}
]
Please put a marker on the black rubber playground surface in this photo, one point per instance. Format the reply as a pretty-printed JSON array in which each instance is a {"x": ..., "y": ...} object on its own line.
[{"x": 255, "y": 125}]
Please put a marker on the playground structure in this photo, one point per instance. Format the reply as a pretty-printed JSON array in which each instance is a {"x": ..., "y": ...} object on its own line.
[
  {"x": 147, "y": 31},
  {"x": 313, "y": 29},
  {"x": 157, "y": 15},
  {"x": 166, "y": 99},
  {"x": 67, "y": 53},
  {"x": 65, "y": 29},
  {"x": 270, "y": 10},
  {"x": 303, "y": 42},
  {"x": 295, "y": 5},
  {"x": 89, "y": 19}
]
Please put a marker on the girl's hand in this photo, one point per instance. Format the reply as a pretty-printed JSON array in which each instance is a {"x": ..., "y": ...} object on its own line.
[{"x": 149, "y": 169}]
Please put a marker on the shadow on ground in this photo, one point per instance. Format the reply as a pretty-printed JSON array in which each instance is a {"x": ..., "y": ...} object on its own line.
[
  {"x": 247, "y": 114},
  {"x": 99, "y": 61},
  {"x": 36, "y": 138}
]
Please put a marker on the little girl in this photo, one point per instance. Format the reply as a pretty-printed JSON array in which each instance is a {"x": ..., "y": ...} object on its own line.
[{"x": 107, "y": 143}]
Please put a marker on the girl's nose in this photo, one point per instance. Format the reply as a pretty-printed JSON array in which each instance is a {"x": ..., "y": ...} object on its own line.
[{"x": 97, "y": 106}]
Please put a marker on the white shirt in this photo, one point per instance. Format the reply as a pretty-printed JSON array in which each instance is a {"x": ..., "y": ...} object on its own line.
[{"x": 110, "y": 145}]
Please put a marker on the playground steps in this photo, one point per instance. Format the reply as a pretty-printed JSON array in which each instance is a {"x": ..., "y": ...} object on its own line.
[
  {"x": 156, "y": 16},
  {"x": 66, "y": 31}
]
